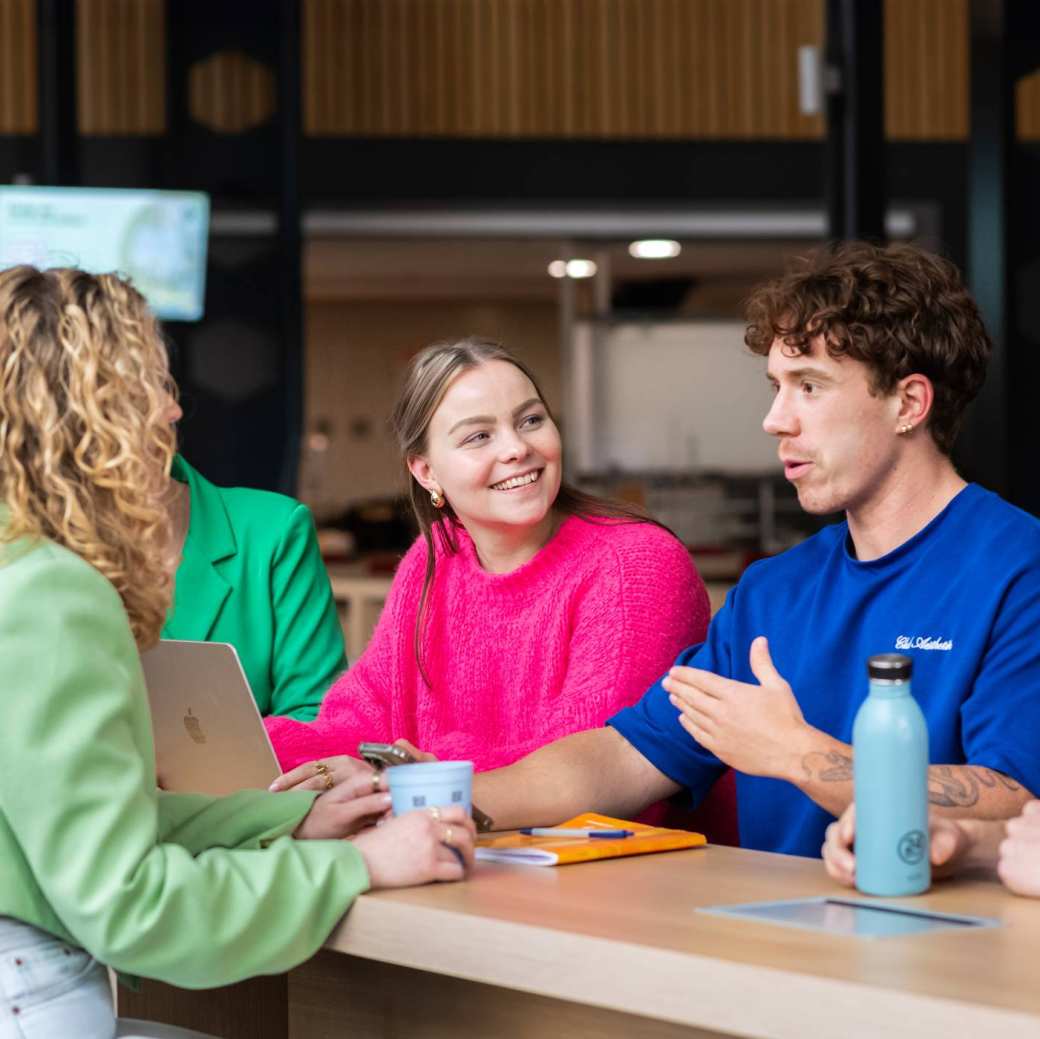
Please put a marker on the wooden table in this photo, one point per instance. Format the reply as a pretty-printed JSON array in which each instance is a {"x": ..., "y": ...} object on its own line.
[{"x": 617, "y": 948}]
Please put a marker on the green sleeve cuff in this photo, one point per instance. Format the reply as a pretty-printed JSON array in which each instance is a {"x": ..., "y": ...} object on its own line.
[{"x": 249, "y": 819}]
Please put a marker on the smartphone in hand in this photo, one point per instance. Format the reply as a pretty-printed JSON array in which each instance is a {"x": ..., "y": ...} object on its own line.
[{"x": 385, "y": 755}]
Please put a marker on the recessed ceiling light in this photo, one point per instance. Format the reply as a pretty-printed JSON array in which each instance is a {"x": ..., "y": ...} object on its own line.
[
  {"x": 572, "y": 268},
  {"x": 654, "y": 249},
  {"x": 580, "y": 268}
]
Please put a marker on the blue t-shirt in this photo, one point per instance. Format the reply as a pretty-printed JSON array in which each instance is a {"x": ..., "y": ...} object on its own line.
[{"x": 961, "y": 597}]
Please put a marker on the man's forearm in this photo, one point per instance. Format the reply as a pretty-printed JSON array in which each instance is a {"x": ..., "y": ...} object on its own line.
[
  {"x": 824, "y": 773},
  {"x": 598, "y": 770},
  {"x": 975, "y": 792}
]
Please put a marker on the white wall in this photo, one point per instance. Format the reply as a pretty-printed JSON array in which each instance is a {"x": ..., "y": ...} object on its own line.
[{"x": 670, "y": 396}]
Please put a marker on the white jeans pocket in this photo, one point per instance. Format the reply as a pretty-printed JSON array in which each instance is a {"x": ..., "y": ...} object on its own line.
[{"x": 50, "y": 990}]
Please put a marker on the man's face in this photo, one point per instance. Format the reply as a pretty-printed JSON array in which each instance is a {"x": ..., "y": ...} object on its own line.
[{"x": 837, "y": 441}]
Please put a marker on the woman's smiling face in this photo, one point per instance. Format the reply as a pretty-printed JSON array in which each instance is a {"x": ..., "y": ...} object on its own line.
[{"x": 492, "y": 450}]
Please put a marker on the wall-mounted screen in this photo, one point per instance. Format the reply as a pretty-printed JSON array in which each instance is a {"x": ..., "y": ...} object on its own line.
[
  {"x": 670, "y": 396},
  {"x": 157, "y": 238}
]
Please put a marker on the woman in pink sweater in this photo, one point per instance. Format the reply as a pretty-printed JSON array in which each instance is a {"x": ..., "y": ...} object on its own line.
[{"x": 525, "y": 611}]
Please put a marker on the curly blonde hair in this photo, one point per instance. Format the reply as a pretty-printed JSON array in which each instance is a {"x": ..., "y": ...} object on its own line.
[{"x": 85, "y": 439}]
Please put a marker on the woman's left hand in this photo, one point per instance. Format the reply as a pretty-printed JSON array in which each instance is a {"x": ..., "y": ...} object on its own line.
[
  {"x": 344, "y": 811},
  {"x": 325, "y": 774}
]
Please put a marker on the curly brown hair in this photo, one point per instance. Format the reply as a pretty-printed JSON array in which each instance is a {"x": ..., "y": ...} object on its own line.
[
  {"x": 85, "y": 439},
  {"x": 898, "y": 309}
]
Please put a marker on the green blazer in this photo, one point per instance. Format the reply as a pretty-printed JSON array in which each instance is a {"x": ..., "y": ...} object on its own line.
[
  {"x": 194, "y": 890},
  {"x": 251, "y": 574}
]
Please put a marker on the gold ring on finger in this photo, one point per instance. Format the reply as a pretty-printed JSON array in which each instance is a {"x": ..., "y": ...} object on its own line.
[
  {"x": 375, "y": 782},
  {"x": 323, "y": 770},
  {"x": 448, "y": 834},
  {"x": 434, "y": 811}
]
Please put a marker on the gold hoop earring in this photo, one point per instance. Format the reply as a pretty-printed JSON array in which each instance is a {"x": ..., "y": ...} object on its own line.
[{"x": 437, "y": 499}]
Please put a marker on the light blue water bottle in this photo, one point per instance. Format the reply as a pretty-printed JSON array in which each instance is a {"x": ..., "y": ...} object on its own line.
[{"x": 890, "y": 772}]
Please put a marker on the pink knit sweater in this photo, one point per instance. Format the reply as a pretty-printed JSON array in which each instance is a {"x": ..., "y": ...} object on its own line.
[{"x": 516, "y": 660}]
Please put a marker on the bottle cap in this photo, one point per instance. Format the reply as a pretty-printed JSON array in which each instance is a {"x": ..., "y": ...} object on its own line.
[{"x": 890, "y": 667}]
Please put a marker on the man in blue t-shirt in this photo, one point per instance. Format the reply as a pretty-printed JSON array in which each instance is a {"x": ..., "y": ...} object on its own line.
[{"x": 873, "y": 354}]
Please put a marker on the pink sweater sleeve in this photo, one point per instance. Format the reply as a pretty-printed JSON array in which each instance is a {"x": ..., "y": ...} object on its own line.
[
  {"x": 646, "y": 604},
  {"x": 358, "y": 706}
]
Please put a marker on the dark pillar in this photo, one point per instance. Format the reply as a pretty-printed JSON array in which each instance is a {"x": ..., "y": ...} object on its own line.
[
  {"x": 56, "y": 40},
  {"x": 290, "y": 235},
  {"x": 854, "y": 86},
  {"x": 998, "y": 446},
  {"x": 983, "y": 452},
  {"x": 240, "y": 368}
]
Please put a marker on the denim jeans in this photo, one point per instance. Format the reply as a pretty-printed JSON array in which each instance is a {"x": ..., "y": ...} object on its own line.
[{"x": 50, "y": 990}]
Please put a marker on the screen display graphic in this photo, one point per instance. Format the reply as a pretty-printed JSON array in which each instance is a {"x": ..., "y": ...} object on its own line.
[{"x": 157, "y": 238}]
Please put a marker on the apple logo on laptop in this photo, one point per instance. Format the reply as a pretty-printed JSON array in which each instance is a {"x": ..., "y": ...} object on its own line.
[{"x": 194, "y": 727}]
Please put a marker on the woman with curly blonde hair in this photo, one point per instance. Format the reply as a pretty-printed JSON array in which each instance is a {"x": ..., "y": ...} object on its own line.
[
  {"x": 92, "y": 390},
  {"x": 96, "y": 865}
]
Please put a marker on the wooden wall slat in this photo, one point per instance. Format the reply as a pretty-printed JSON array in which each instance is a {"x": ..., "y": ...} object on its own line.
[
  {"x": 121, "y": 72},
  {"x": 926, "y": 69},
  {"x": 686, "y": 69},
  {"x": 1027, "y": 96},
  {"x": 18, "y": 68},
  {"x": 609, "y": 68},
  {"x": 230, "y": 92},
  {"x": 895, "y": 68}
]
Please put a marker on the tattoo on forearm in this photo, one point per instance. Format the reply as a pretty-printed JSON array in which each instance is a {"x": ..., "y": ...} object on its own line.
[
  {"x": 829, "y": 767},
  {"x": 992, "y": 778},
  {"x": 957, "y": 786},
  {"x": 952, "y": 788},
  {"x": 949, "y": 786}
]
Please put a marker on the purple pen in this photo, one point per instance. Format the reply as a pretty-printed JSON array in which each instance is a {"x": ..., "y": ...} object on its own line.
[{"x": 567, "y": 831}]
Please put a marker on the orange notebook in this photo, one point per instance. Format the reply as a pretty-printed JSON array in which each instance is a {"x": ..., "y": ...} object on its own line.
[{"x": 561, "y": 851}]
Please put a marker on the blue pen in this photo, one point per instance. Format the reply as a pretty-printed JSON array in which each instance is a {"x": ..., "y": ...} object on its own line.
[{"x": 564, "y": 831}]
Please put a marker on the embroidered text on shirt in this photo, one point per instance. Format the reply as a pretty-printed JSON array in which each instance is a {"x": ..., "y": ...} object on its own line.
[{"x": 922, "y": 642}]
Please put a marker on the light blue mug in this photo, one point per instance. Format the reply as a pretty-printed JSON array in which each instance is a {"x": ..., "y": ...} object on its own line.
[{"x": 431, "y": 783}]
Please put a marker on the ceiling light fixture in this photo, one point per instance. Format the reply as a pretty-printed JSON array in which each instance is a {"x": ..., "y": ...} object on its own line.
[
  {"x": 654, "y": 249},
  {"x": 572, "y": 268},
  {"x": 580, "y": 268}
]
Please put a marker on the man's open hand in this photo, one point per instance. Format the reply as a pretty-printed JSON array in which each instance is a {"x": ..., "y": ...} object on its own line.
[{"x": 757, "y": 729}]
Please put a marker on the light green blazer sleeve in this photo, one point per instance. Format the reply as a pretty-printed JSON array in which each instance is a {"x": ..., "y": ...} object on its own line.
[
  {"x": 246, "y": 820},
  {"x": 195, "y": 891}
]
